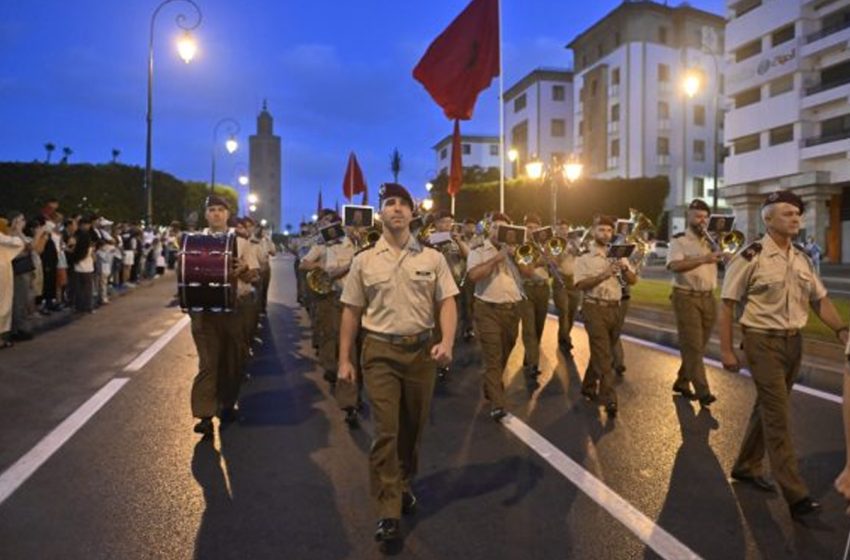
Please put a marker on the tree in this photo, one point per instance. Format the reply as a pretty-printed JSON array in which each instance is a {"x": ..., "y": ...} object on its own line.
[
  {"x": 49, "y": 147},
  {"x": 395, "y": 164},
  {"x": 115, "y": 153},
  {"x": 66, "y": 153}
]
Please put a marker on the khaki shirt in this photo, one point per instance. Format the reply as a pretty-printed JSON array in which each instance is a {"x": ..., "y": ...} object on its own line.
[
  {"x": 315, "y": 253},
  {"x": 702, "y": 278},
  {"x": 502, "y": 286},
  {"x": 593, "y": 264},
  {"x": 398, "y": 291},
  {"x": 566, "y": 263},
  {"x": 775, "y": 288},
  {"x": 337, "y": 258}
]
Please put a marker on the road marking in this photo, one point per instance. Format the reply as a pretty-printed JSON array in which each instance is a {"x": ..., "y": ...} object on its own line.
[
  {"x": 24, "y": 467},
  {"x": 716, "y": 364},
  {"x": 146, "y": 356},
  {"x": 662, "y": 542}
]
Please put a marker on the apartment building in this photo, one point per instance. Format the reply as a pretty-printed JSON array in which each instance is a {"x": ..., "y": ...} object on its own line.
[{"x": 480, "y": 151}]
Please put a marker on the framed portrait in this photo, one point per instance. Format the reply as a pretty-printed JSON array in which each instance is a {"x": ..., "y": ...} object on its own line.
[
  {"x": 332, "y": 233},
  {"x": 623, "y": 228},
  {"x": 542, "y": 235},
  {"x": 620, "y": 251},
  {"x": 720, "y": 223},
  {"x": 416, "y": 224},
  {"x": 358, "y": 216}
]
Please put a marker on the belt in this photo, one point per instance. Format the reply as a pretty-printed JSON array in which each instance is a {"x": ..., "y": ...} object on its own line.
[
  {"x": 783, "y": 333},
  {"x": 693, "y": 293},
  {"x": 401, "y": 339},
  {"x": 603, "y": 302},
  {"x": 505, "y": 305},
  {"x": 534, "y": 282}
]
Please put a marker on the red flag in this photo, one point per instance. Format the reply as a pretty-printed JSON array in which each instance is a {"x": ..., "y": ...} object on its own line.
[
  {"x": 458, "y": 65},
  {"x": 353, "y": 182},
  {"x": 463, "y": 60}
]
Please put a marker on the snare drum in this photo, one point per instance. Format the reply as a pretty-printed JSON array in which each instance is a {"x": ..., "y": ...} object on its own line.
[{"x": 205, "y": 279}]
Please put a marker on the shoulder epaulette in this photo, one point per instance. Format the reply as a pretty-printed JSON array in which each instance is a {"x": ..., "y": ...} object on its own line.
[
  {"x": 751, "y": 250},
  {"x": 800, "y": 247},
  {"x": 678, "y": 235}
]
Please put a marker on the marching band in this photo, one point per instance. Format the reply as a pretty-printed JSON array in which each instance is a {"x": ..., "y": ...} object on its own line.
[{"x": 386, "y": 290}]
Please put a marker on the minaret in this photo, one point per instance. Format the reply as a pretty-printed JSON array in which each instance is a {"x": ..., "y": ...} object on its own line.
[{"x": 264, "y": 173}]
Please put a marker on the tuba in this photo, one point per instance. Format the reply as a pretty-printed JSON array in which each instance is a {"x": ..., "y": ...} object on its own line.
[
  {"x": 638, "y": 236},
  {"x": 731, "y": 243},
  {"x": 319, "y": 282}
]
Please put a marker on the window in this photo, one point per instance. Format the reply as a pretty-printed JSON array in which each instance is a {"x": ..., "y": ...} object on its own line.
[
  {"x": 836, "y": 126},
  {"x": 615, "y": 113},
  {"x": 494, "y": 149},
  {"x": 559, "y": 128},
  {"x": 615, "y": 148},
  {"x": 558, "y": 93},
  {"x": 663, "y": 73},
  {"x": 662, "y": 35},
  {"x": 444, "y": 153},
  {"x": 746, "y": 144},
  {"x": 746, "y": 6},
  {"x": 558, "y": 157},
  {"x": 663, "y": 147},
  {"x": 465, "y": 149},
  {"x": 781, "y": 134},
  {"x": 699, "y": 115},
  {"x": 615, "y": 76},
  {"x": 782, "y": 35},
  {"x": 748, "y": 97},
  {"x": 663, "y": 110},
  {"x": 748, "y": 51},
  {"x": 699, "y": 150},
  {"x": 519, "y": 103},
  {"x": 699, "y": 187},
  {"x": 782, "y": 85}
]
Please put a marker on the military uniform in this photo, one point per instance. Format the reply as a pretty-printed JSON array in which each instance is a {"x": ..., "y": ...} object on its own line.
[
  {"x": 567, "y": 299},
  {"x": 398, "y": 293},
  {"x": 497, "y": 302},
  {"x": 601, "y": 309},
  {"x": 774, "y": 290},
  {"x": 695, "y": 309},
  {"x": 467, "y": 290}
]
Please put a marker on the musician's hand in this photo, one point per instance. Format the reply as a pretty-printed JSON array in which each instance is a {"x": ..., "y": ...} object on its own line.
[
  {"x": 730, "y": 361},
  {"x": 346, "y": 372},
  {"x": 442, "y": 353},
  {"x": 613, "y": 270},
  {"x": 712, "y": 258},
  {"x": 502, "y": 254}
]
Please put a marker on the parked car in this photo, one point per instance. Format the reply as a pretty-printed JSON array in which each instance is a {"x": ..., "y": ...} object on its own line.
[{"x": 658, "y": 251}]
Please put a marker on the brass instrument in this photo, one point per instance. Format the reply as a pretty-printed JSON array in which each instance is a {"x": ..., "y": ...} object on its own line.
[
  {"x": 319, "y": 282},
  {"x": 424, "y": 234},
  {"x": 586, "y": 241},
  {"x": 526, "y": 254},
  {"x": 556, "y": 246},
  {"x": 367, "y": 240},
  {"x": 729, "y": 243},
  {"x": 638, "y": 236}
]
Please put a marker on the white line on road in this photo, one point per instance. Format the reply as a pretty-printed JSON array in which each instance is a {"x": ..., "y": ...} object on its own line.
[
  {"x": 24, "y": 467},
  {"x": 716, "y": 364},
  {"x": 146, "y": 356},
  {"x": 662, "y": 542}
]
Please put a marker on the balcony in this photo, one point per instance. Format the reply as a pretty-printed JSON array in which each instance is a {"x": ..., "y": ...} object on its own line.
[
  {"x": 663, "y": 124},
  {"x": 828, "y": 92},
  {"x": 827, "y": 31},
  {"x": 818, "y": 140},
  {"x": 614, "y": 91},
  {"x": 831, "y": 38},
  {"x": 614, "y": 127}
]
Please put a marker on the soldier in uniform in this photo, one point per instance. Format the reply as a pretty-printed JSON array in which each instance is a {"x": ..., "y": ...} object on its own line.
[
  {"x": 456, "y": 251},
  {"x": 693, "y": 262},
  {"x": 597, "y": 277},
  {"x": 564, "y": 293},
  {"x": 773, "y": 283},
  {"x": 535, "y": 307},
  {"x": 311, "y": 261},
  {"x": 217, "y": 336},
  {"x": 467, "y": 287},
  {"x": 498, "y": 293},
  {"x": 396, "y": 287}
]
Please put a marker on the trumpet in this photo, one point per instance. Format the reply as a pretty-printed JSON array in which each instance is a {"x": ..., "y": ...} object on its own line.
[
  {"x": 729, "y": 244},
  {"x": 367, "y": 240},
  {"x": 526, "y": 254}
]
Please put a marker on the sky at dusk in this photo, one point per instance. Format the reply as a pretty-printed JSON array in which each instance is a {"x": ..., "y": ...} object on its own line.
[{"x": 337, "y": 76}]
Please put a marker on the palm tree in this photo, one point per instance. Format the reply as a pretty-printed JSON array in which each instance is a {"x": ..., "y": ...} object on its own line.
[
  {"x": 66, "y": 153},
  {"x": 395, "y": 164},
  {"x": 115, "y": 153},
  {"x": 50, "y": 146}
]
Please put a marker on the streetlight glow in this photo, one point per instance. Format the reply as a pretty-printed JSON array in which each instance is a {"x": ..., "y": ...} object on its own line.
[
  {"x": 231, "y": 145},
  {"x": 243, "y": 180},
  {"x": 534, "y": 169},
  {"x": 253, "y": 208},
  {"x": 315, "y": 217},
  {"x": 427, "y": 204},
  {"x": 264, "y": 222},
  {"x": 428, "y": 186},
  {"x": 513, "y": 155},
  {"x": 187, "y": 47},
  {"x": 692, "y": 84},
  {"x": 253, "y": 198},
  {"x": 572, "y": 170}
]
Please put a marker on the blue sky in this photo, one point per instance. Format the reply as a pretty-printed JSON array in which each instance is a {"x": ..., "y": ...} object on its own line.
[{"x": 337, "y": 76}]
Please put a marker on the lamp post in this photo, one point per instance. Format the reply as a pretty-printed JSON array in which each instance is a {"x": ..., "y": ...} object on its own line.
[
  {"x": 570, "y": 171},
  {"x": 187, "y": 49},
  {"x": 692, "y": 85},
  {"x": 231, "y": 145}
]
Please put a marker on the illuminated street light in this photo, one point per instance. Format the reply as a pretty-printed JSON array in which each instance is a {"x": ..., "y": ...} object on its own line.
[
  {"x": 264, "y": 222},
  {"x": 572, "y": 170},
  {"x": 315, "y": 217},
  {"x": 534, "y": 169},
  {"x": 513, "y": 155},
  {"x": 253, "y": 198},
  {"x": 253, "y": 208},
  {"x": 427, "y": 204},
  {"x": 243, "y": 180},
  {"x": 187, "y": 47},
  {"x": 691, "y": 85},
  {"x": 231, "y": 145},
  {"x": 428, "y": 186}
]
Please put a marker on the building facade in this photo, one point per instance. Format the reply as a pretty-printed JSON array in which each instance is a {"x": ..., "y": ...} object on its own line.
[
  {"x": 264, "y": 170},
  {"x": 480, "y": 151},
  {"x": 632, "y": 116},
  {"x": 538, "y": 113},
  {"x": 788, "y": 80}
]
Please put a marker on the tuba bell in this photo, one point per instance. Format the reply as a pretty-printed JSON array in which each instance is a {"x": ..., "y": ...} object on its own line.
[
  {"x": 319, "y": 282},
  {"x": 526, "y": 254},
  {"x": 731, "y": 243},
  {"x": 556, "y": 246}
]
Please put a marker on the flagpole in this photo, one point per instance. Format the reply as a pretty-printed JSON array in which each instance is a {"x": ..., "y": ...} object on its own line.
[
  {"x": 501, "y": 123},
  {"x": 453, "y": 205}
]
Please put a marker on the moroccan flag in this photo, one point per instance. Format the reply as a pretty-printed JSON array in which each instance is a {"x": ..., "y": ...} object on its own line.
[
  {"x": 353, "y": 182},
  {"x": 458, "y": 65}
]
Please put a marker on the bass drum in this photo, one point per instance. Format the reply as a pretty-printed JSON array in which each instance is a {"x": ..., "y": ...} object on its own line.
[{"x": 205, "y": 279}]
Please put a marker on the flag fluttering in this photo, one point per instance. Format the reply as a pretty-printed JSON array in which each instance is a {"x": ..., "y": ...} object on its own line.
[
  {"x": 353, "y": 182},
  {"x": 461, "y": 63}
]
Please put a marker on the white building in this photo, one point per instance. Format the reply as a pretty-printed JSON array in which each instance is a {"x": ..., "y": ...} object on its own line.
[
  {"x": 630, "y": 104},
  {"x": 788, "y": 78},
  {"x": 480, "y": 151},
  {"x": 539, "y": 117}
]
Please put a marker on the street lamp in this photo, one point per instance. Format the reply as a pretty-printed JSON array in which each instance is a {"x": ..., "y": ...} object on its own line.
[
  {"x": 186, "y": 48},
  {"x": 535, "y": 169},
  {"x": 253, "y": 198},
  {"x": 230, "y": 145},
  {"x": 315, "y": 217},
  {"x": 691, "y": 84},
  {"x": 428, "y": 186},
  {"x": 513, "y": 157},
  {"x": 427, "y": 204},
  {"x": 243, "y": 180},
  {"x": 253, "y": 208}
]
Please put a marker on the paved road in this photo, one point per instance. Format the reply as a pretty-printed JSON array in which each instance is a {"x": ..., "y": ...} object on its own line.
[{"x": 289, "y": 480}]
